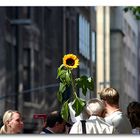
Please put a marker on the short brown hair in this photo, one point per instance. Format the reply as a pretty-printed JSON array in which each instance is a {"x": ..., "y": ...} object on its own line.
[
  {"x": 110, "y": 95},
  {"x": 53, "y": 118}
]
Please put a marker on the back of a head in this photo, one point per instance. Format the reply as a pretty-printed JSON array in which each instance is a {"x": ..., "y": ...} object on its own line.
[
  {"x": 110, "y": 95},
  {"x": 133, "y": 112},
  {"x": 54, "y": 117},
  {"x": 95, "y": 107}
]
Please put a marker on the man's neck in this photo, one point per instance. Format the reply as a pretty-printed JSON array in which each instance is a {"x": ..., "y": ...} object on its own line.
[{"x": 111, "y": 109}]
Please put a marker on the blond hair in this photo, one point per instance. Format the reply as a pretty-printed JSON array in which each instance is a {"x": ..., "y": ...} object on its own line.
[
  {"x": 110, "y": 95},
  {"x": 7, "y": 117}
]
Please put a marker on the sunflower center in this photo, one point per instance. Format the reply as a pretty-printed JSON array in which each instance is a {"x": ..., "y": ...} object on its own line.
[{"x": 70, "y": 62}]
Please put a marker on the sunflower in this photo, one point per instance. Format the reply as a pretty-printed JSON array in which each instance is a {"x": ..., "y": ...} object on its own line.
[{"x": 70, "y": 61}]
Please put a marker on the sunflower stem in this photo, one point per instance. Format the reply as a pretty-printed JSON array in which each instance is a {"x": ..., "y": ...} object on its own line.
[{"x": 73, "y": 84}]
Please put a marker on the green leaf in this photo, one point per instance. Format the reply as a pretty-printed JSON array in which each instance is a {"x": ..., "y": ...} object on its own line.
[
  {"x": 90, "y": 83},
  {"x": 59, "y": 96},
  {"x": 85, "y": 83},
  {"x": 61, "y": 74},
  {"x": 62, "y": 87},
  {"x": 135, "y": 11},
  {"x": 68, "y": 77},
  {"x": 65, "y": 111},
  {"x": 59, "y": 70},
  {"x": 81, "y": 81},
  {"x": 84, "y": 90},
  {"x": 78, "y": 105},
  {"x": 65, "y": 76}
]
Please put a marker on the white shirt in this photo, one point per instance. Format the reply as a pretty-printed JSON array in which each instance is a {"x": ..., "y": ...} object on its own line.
[
  {"x": 94, "y": 125},
  {"x": 136, "y": 131},
  {"x": 120, "y": 122}
]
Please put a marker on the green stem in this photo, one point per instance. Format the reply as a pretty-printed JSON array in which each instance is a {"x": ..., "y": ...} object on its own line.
[{"x": 73, "y": 84}]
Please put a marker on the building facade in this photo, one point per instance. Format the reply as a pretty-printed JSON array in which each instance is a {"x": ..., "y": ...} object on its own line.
[
  {"x": 33, "y": 41},
  {"x": 124, "y": 55},
  {"x": 117, "y": 53},
  {"x": 103, "y": 48}
]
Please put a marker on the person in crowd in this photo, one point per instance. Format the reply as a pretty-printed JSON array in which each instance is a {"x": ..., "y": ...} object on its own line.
[
  {"x": 12, "y": 122},
  {"x": 113, "y": 114},
  {"x": 54, "y": 123},
  {"x": 133, "y": 113},
  {"x": 95, "y": 124}
]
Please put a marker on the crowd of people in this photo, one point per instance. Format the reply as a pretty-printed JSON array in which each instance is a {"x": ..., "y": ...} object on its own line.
[{"x": 100, "y": 116}]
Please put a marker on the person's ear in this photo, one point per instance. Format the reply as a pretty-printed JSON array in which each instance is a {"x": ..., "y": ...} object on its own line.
[
  {"x": 56, "y": 123},
  {"x": 7, "y": 123}
]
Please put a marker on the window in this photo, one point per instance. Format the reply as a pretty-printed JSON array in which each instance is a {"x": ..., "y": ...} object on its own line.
[
  {"x": 84, "y": 37},
  {"x": 26, "y": 74},
  {"x": 93, "y": 46},
  {"x": 36, "y": 67},
  {"x": 11, "y": 74},
  {"x": 67, "y": 35},
  {"x": 84, "y": 70},
  {"x": 25, "y": 12},
  {"x": 11, "y": 12},
  {"x": 37, "y": 16}
]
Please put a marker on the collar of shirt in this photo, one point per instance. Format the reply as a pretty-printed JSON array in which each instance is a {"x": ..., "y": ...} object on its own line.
[{"x": 49, "y": 129}]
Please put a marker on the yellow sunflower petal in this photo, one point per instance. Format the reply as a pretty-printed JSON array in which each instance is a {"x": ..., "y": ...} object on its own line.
[{"x": 70, "y": 61}]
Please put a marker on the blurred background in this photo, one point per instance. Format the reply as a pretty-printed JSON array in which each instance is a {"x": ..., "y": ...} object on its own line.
[{"x": 33, "y": 41}]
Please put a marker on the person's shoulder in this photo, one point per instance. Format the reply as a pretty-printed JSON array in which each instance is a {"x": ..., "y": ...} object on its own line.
[
  {"x": 100, "y": 124},
  {"x": 115, "y": 115},
  {"x": 76, "y": 128},
  {"x": 119, "y": 116},
  {"x": 77, "y": 123},
  {"x": 99, "y": 120}
]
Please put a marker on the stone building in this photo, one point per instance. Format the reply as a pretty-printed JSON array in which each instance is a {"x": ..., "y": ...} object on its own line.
[
  {"x": 124, "y": 55},
  {"x": 33, "y": 41},
  {"x": 117, "y": 53}
]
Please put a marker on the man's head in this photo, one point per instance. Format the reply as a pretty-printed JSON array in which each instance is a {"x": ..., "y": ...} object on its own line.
[
  {"x": 110, "y": 95},
  {"x": 95, "y": 107},
  {"x": 56, "y": 122},
  {"x": 133, "y": 113}
]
